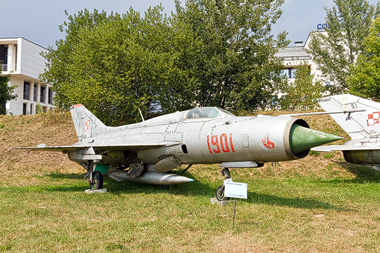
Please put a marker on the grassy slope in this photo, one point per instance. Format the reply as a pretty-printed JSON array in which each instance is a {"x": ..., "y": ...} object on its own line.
[{"x": 317, "y": 204}]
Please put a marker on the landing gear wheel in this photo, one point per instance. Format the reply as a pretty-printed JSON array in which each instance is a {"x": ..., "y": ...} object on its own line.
[
  {"x": 97, "y": 181},
  {"x": 220, "y": 194}
]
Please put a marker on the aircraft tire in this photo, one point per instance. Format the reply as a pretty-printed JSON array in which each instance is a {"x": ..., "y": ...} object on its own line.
[
  {"x": 97, "y": 181},
  {"x": 220, "y": 194}
]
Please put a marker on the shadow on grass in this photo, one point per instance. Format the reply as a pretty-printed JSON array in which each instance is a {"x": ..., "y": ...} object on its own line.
[
  {"x": 304, "y": 203},
  {"x": 363, "y": 174},
  {"x": 124, "y": 187},
  {"x": 193, "y": 189},
  {"x": 58, "y": 175}
]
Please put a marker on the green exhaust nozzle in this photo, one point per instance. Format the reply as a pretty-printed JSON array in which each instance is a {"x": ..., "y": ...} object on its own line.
[{"x": 302, "y": 138}]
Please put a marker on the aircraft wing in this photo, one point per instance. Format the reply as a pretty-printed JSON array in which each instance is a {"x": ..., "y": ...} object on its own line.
[
  {"x": 51, "y": 148},
  {"x": 129, "y": 146},
  {"x": 331, "y": 148}
]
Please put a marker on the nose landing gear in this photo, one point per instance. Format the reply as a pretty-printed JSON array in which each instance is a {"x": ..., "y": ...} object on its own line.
[{"x": 220, "y": 191}]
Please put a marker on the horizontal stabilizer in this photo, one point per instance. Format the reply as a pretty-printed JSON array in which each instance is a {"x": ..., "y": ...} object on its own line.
[
  {"x": 363, "y": 117},
  {"x": 321, "y": 113},
  {"x": 332, "y": 148}
]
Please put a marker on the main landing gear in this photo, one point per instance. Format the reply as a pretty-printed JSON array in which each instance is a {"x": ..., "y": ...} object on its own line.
[
  {"x": 95, "y": 178},
  {"x": 220, "y": 191}
]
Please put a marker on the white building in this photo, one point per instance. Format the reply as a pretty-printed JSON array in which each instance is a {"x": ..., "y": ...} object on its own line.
[
  {"x": 293, "y": 56},
  {"x": 21, "y": 59}
]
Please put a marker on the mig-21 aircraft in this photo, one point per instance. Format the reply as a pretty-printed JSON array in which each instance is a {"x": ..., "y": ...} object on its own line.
[
  {"x": 148, "y": 151},
  {"x": 362, "y": 126}
]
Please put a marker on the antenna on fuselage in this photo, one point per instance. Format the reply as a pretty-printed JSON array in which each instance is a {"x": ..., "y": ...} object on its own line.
[{"x": 141, "y": 115}]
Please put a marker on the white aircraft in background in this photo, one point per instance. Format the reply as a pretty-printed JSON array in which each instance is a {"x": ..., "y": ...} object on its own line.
[{"x": 363, "y": 127}]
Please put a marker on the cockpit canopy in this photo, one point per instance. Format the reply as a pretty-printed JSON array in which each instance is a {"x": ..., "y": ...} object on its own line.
[
  {"x": 207, "y": 112},
  {"x": 194, "y": 114}
]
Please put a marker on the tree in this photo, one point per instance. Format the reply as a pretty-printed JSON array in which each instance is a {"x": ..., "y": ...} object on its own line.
[
  {"x": 302, "y": 93},
  {"x": 60, "y": 60},
  {"x": 5, "y": 91},
  {"x": 348, "y": 24},
  {"x": 236, "y": 67},
  {"x": 365, "y": 78},
  {"x": 116, "y": 64}
]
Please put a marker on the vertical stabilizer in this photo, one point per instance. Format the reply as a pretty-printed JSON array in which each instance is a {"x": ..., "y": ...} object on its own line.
[
  {"x": 357, "y": 125},
  {"x": 87, "y": 125}
]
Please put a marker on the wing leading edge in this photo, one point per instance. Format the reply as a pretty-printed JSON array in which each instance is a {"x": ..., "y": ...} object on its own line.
[{"x": 65, "y": 149}]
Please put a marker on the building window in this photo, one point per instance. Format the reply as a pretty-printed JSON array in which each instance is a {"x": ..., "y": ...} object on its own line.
[
  {"x": 292, "y": 73},
  {"x": 15, "y": 57},
  {"x": 42, "y": 97},
  {"x": 50, "y": 97},
  {"x": 285, "y": 73},
  {"x": 35, "y": 93},
  {"x": 289, "y": 73},
  {"x": 31, "y": 109},
  {"x": 24, "y": 112},
  {"x": 26, "y": 90},
  {"x": 2, "y": 109},
  {"x": 4, "y": 57}
]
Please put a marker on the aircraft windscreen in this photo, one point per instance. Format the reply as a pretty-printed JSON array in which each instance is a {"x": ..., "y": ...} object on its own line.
[
  {"x": 202, "y": 112},
  {"x": 225, "y": 111}
]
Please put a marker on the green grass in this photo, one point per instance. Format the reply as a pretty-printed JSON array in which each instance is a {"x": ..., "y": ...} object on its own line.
[
  {"x": 281, "y": 214},
  {"x": 316, "y": 204}
]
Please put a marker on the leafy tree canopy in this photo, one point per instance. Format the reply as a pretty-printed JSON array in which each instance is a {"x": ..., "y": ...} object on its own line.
[
  {"x": 207, "y": 53},
  {"x": 302, "y": 93},
  {"x": 116, "y": 64},
  {"x": 236, "y": 64},
  {"x": 365, "y": 78},
  {"x": 348, "y": 24}
]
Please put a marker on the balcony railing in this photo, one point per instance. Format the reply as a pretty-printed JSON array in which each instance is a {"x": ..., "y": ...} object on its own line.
[{"x": 4, "y": 67}]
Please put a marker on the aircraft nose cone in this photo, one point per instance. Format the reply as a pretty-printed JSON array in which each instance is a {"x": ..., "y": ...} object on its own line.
[{"x": 302, "y": 138}]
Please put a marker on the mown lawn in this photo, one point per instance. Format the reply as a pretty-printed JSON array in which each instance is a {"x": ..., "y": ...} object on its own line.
[
  {"x": 316, "y": 204},
  {"x": 282, "y": 214}
]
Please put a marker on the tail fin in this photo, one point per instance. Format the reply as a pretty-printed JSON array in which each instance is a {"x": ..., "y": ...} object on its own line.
[
  {"x": 357, "y": 125},
  {"x": 87, "y": 125}
]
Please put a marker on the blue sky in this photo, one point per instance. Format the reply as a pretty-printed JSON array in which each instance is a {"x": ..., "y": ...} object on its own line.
[{"x": 38, "y": 20}]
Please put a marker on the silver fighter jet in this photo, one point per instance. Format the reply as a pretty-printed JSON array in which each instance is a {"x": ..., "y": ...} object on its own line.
[
  {"x": 363, "y": 126},
  {"x": 146, "y": 152}
]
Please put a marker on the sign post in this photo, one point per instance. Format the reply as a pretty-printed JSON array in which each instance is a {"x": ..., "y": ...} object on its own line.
[{"x": 235, "y": 190}]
